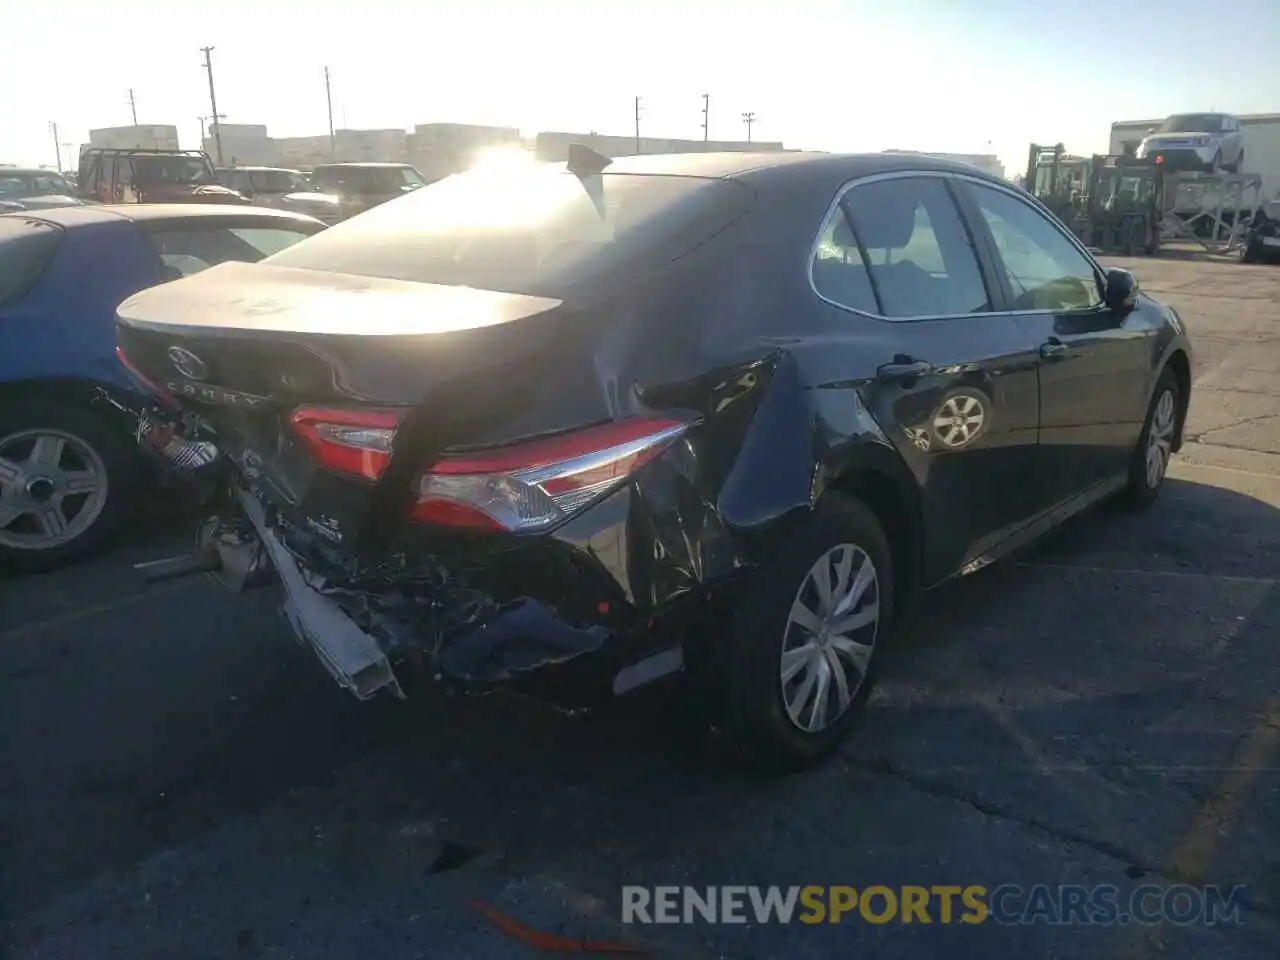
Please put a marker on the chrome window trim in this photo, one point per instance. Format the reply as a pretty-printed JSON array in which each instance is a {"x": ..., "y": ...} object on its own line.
[{"x": 1012, "y": 191}]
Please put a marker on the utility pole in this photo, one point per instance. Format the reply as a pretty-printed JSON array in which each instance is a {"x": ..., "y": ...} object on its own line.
[
  {"x": 213, "y": 103},
  {"x": 706, "y": 116},
  {"x": 637, "y": 126},
  {"x": 749, "y": 118},
  {"x": 328, "y": 96},
  {"x": 57, "y": 145},
  {"x": 133, "y": 107}
]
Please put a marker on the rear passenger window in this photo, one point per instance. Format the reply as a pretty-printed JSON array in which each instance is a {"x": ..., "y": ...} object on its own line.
[
  {"x": 26, "y": 248},
  {"x": 920, "y": 258},
  {"x": 839, "y": 273},
  {"x": 185, "y": 250}
]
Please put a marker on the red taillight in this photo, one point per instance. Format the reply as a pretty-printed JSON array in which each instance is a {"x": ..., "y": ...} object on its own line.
[
  {"x": 356, "y": 442},
  {"x": 521, "y": 488},
  {"x": 532, "y": 486},
  {"x": 142, "y": 378}
]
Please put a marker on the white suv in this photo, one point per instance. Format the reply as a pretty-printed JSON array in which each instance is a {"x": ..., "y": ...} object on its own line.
[{"x": 1197, "y": 141}]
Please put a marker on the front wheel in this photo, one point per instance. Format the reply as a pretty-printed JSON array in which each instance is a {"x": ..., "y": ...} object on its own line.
[
  {"x": 67, "y": 480},
  {"x": 807, "y": 638},
  {"x": 1150, "y": 460}
]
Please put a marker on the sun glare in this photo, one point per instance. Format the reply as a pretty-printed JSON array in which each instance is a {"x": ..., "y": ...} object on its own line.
[{"x": 502, "y": 158}]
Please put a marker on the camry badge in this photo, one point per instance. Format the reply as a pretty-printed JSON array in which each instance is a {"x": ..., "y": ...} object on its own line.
[{"x": 188, "y": 364}]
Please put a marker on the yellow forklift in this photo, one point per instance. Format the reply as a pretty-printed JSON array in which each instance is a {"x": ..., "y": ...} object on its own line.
[{"x": 1113, "y": 203}]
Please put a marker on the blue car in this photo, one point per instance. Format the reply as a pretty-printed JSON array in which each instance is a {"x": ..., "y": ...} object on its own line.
[{"x": 70, "y": 468}]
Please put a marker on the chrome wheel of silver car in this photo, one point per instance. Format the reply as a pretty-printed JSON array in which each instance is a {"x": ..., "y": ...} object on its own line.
[
  {"x": 53, "y": 487},
  {"x": 830, "y": 637},
  {"x": 1160, "y": 438}
]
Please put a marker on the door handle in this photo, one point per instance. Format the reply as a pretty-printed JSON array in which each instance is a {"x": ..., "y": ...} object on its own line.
[
  {"x": 1053, "y": 349},
  {"x": 904, "y": 368}
]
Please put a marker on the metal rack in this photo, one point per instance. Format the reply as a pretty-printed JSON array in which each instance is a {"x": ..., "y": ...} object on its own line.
[{"x": 1210, "y": 209}]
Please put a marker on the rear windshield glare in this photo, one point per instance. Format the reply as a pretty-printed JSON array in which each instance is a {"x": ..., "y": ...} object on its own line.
[
  {"x": 26, "y": 247},
  {"x": 542, "y": 231}
]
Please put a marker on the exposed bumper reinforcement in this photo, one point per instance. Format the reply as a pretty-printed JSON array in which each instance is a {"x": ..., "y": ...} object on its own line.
[{"x": 350, "y": 655}]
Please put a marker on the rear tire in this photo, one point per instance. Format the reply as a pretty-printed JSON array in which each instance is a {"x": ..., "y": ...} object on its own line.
[
  {"x": 68, "y": 480},
  {"x": 779, "y": 669},
  {"x": 1150, "y": 460}
]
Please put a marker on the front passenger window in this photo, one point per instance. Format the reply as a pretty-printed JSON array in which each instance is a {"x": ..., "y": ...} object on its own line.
[{"x": 1045, "y": 270}]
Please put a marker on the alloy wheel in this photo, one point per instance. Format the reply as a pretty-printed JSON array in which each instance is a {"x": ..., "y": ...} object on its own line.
[
  {"x": 829, "y": 638},
  {"x": 1160, "y": 438},
  {"x": 959, "y": 420},
  {"x": 53, "y": 487}
]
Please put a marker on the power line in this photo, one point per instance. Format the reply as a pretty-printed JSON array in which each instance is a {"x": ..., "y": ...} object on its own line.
[
  {"x": 748, "y": 118},
  {"x": 133, "y": 107},
  {"x": 215, "y": 117},
  {"x": 706, "y": 116}
]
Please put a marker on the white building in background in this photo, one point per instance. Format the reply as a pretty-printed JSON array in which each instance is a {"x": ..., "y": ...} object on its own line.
[
  {"x": 347, "y": 146},
  {"x": 147, "y": 137},
  {"x": 1127, "y": 134},
  {"x": 243, "y": 144},
  {"x": 554, "y": 147},
  {"x": 441, "y": 149},
  {"x": 986, "y": 162}
]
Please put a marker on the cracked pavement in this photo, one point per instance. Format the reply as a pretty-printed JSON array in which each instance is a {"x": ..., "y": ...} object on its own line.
[{"x": 182, "y": 781}]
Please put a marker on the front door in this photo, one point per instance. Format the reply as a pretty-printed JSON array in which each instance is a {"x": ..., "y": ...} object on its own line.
[
  {"x": 955, "y": 388},
  {"x": 1094, "y": 361}
]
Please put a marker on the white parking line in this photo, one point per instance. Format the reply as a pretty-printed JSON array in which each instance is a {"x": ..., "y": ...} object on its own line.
[
  {"x": 1132, "y": 572},
  {"x": 82, "y": 613}
]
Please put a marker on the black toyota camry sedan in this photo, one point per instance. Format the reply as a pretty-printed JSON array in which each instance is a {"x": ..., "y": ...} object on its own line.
[{"x": 574, "y": 428}]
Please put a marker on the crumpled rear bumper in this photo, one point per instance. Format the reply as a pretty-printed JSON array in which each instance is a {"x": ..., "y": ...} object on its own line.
[
  {"x": 351, "y": 656},
  {"x": 368, "y": 629}
]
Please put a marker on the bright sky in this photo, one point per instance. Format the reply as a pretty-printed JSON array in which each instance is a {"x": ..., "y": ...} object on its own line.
[{"x": 945, "y": 75}]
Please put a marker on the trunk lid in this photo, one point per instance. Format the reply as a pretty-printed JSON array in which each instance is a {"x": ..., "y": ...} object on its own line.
[
  {"x": 292, "y": 336},
  {"x": 247, "y": 344}
]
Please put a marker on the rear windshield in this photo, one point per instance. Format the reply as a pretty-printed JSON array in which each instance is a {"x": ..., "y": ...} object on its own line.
[
  {"x": 26, "y": 247},
  {"x": 14, "y": 186},
  {"x": 277, "y": 181},
  {"x": 367, "y": 179},
  {"x": 541, "y": 232},
  {"x": 174, "y": 169}
]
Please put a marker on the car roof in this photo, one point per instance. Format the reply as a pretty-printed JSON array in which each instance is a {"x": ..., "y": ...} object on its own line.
[
  {"x": 151, "y": 212},
  {"x": 789, "y": 165},
  {"x": 363, "y": 163},
  {"x": 28, "y": 172},
  {"x": 258, "y": 169}
]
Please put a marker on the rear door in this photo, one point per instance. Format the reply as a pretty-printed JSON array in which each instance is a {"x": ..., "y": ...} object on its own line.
[
  {"x": 1094, "y": 361},
  {"x": 956, "y": 389}
]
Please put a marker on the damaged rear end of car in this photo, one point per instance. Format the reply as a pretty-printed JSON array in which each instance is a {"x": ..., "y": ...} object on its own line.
[{"x": 432, "y": 432}]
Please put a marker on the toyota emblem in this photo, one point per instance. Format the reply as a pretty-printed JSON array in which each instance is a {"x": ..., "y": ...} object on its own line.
[{"x": 188, "y": 364}]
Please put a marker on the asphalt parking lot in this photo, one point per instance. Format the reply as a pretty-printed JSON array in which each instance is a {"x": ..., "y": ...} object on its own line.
[{"x": 182, "y": 781}]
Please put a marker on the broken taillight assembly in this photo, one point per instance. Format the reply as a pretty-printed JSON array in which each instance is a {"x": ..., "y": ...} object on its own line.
[
  {"x": 524, "y": 487},
  {"x": 357, "y": 442}
]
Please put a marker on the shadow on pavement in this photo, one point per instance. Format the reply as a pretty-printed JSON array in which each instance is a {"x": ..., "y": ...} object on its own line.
[{"x": 1093, "y": 689}]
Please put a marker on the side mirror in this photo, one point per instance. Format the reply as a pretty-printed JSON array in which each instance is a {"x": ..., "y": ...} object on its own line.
[{"x": 1121, "y": 290}]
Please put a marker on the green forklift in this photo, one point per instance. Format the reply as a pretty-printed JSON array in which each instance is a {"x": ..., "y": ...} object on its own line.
[{"x": 1113, "y": 203}]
